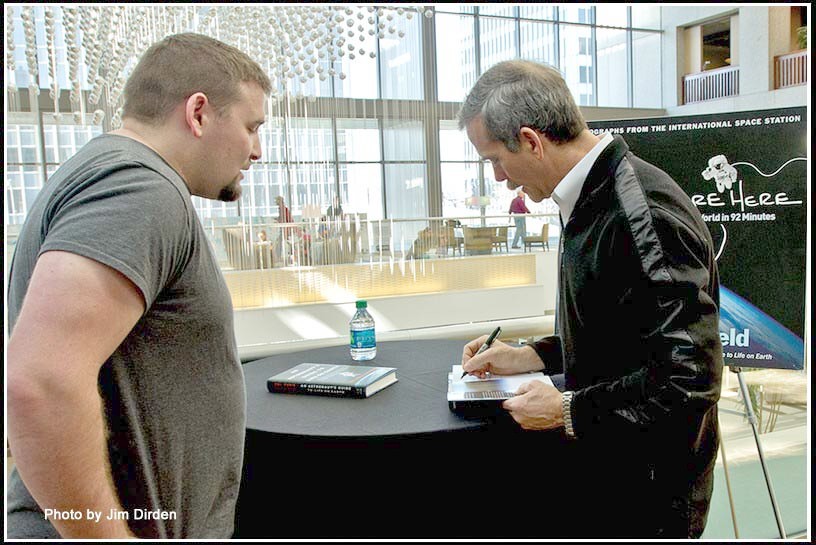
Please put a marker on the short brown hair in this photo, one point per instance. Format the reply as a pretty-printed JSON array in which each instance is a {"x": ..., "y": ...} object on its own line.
[{"x": 183, "y": 64}]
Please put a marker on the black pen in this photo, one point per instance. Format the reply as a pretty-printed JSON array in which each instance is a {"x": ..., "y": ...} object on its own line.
[{"x": 485, "y": 346}]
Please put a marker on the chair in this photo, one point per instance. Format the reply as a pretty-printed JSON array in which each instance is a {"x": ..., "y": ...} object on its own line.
[
  {"x": 531, "y": 240},
  {"x": 501, "y": 238},
  {"x": 478, "y": 240}
]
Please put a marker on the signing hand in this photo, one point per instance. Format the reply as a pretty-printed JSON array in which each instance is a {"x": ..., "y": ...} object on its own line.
[{"x": 499, "y": 359}]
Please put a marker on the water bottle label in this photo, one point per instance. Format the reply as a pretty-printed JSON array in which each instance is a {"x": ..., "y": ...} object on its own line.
[{"x": 363, "y": 339}]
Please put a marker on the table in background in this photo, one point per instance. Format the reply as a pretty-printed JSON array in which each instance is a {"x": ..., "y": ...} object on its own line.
[{"x": 396, "y": 465}]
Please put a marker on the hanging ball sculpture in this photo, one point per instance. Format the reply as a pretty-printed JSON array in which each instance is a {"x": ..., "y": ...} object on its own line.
[{"x": 294, "y": 43}]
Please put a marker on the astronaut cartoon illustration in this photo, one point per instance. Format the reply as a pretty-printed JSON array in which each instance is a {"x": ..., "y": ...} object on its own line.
[{"x": 724, "y": 174}]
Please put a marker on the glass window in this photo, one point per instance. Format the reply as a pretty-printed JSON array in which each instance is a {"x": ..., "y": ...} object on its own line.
[
  {"x": 357, "y": 77},
  {"x": 319, "y": 85},
  {"x": 310, "y": 184},
  {"x": 455, "y": 56},
  {"x": 12, "y": 144},
  {"x": 403, "y": 140},
  {"x": 405, "y": 190},
  {"x": 576, "y": 13},
  {"x": 498, "y": 194},
  {"x": 50, "y": 132},
  {"x": 584, "y": 46},
  {"x": 646, "y": 16},
  {"x": 497, "y": 41},
  {"x": 271, "y": 135},
  {"x": 613, "y": 78},
  {"x": 358, "y": 140},
  {"x": 538, "y": 42},
  {"x": 377, "y": 160},
  {"x": 454, "y": 144},
  {"x": 16, "y": 204},
  {"x": 27, "y": 137},
  {"x": 459, "y": 181},
  {"x": 498, "y": 9},
  {"x": 361, "y": 189},
  {"x": 538, "y": 11},
  {"x": 259, "y": 191},
  {"x": 311, "y": 139},
  {"x": 572, "y": 61},
  {"x": 611, "y": 15},
  {"x": 453, "y": 8},
  {"x": 401, "y": 59},
  {"x": 645, "y": 61}
]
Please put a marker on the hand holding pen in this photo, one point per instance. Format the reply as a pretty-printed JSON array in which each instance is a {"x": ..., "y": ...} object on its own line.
[{"x": 485, "y": 346}]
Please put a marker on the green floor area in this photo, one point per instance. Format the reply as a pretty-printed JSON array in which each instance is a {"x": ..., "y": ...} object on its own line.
[{"x": 754, "y": 511}]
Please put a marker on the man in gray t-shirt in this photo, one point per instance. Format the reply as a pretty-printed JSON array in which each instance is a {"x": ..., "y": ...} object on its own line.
[{"x": 126, "y": 402}]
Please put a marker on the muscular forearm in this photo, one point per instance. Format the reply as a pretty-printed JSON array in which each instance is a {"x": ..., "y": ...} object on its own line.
[{"x": 57, "y": 438}]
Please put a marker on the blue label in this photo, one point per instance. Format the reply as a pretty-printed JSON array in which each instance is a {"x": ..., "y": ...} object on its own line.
[{"x": 363, "y": 339}]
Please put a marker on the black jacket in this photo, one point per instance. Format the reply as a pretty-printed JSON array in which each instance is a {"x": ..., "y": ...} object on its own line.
[{"x": 638, "y": 343}]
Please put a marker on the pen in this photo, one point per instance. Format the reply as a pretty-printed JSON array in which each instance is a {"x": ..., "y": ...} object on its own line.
[{"x": 485, "y": 346}]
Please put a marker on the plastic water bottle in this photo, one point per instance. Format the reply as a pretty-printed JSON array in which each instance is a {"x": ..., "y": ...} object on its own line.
[{"x": 363, "y": 339}]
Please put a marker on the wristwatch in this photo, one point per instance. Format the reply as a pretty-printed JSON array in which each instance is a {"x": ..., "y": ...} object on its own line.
[{"x": 566, "y": 407}]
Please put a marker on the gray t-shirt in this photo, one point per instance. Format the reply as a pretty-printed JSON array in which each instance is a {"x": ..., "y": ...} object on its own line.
[{"x": 173, "y": 391}]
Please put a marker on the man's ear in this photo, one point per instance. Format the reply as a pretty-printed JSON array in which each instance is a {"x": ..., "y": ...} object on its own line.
[
  {"x": 196, "y": 113},
  {"x": 531, "y": 138}
]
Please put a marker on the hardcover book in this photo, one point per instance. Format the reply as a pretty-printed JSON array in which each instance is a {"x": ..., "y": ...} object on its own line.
[
  {"x": 332, "y": 380},
  {"x": 470, "y": 394}
]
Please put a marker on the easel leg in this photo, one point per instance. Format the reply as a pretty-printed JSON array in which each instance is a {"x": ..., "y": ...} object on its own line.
[
  {"x": 728, "y": 487},
  {"x": 752, "y": 419}
]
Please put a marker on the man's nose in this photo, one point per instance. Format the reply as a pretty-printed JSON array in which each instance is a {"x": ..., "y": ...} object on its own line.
[
  {"x": 498, "y": 174},
  {"x": 255, "y": 153}
]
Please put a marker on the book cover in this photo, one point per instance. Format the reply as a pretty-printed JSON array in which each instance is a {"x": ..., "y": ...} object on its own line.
[{"x": 332, "y": 380}]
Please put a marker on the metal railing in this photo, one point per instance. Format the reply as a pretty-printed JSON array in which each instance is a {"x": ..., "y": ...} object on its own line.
[
  {"x": 790, "y": 69},
  {"x": 711, "y": 84}
]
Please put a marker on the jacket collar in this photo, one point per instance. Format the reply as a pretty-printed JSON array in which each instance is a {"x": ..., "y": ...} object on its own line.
[{"x": 603, "y": 169}]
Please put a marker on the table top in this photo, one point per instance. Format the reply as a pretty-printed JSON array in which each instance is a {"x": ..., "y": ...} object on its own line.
[{"x": 416, "y": 404}]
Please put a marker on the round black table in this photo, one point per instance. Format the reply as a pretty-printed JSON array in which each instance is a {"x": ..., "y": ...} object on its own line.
[{"x": 398, "y": 464}]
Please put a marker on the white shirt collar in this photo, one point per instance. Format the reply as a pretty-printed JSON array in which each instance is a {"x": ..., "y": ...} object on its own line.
[{"x": 568, "y": 190}]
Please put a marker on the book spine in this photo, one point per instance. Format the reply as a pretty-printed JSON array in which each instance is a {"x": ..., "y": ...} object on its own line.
[{"x": 315, "y": 389}]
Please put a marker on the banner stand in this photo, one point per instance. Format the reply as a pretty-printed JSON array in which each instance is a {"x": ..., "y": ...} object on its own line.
[{"x": 749, "y": 412}]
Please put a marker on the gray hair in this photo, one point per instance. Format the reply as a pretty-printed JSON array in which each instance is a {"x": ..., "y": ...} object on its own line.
[{"x": 515, "y": 94}]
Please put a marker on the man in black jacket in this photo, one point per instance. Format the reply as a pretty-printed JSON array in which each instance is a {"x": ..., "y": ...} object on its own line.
[{"x": 637, "y": 318}]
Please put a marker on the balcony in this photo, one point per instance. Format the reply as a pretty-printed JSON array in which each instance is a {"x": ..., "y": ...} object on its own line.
[
  {"x": 711, "y": 84},
  {"x": 790, "y": 69}
]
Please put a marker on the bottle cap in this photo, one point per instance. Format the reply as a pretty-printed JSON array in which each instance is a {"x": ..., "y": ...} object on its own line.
[{"x": 361, "y": 304}]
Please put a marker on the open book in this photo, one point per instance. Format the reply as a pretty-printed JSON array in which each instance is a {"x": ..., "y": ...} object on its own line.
[{"x": 470, "y": 392}]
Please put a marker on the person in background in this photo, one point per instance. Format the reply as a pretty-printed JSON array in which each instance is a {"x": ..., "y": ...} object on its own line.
[
  {"x": 637, "y": 350},
  {"x": 139, "y": 413},
  {"x": 284, "y": 216},
  {"x": 518, "y": 206},
  {"x": 283, "y": 242},
  {"x": 262, "y": 237},
  {"x": 336, "y": 209}
]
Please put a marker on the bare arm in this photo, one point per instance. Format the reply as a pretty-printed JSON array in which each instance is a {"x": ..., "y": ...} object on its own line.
[{"x": 75, "y": 313}]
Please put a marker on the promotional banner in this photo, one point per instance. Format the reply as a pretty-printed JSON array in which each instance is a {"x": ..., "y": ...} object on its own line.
[{"x": 747, "y": 174}]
